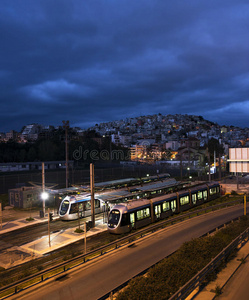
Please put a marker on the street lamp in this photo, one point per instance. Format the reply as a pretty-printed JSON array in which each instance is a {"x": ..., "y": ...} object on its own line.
[{"x": 44, "y": 196}]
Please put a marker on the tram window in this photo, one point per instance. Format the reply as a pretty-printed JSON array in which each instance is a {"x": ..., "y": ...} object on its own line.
[
  {"x": 125, "y": 220},
  {"x": 212, "y": 191},
  {"x": 205, "y": 195},
  {"x": 87, "y": 205},
  {"x": 143, "y": 213},
  {"x": 114, "y": 216},
  {"x": 80, "y": 206},
  {"x": 132, "y": 219},
  {"x": 157, "y": 209},
  {"x": 97, "y": 203},
  {"x": 194, "y": 198},
  {"x": 184, "y": 200},
  {"x": 74, "y": 208},
  {"x": 199, "y": 195},
  {"x": 173, "y": 205},
  {"x": 165, "y": 206},
  {"x": 64, "y": 207}
]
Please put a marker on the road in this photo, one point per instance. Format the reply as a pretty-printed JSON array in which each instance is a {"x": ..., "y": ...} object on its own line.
[{"x": 96, "y": 278}]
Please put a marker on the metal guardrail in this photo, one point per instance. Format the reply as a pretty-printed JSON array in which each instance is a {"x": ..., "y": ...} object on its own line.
[
  {"x": 196, "y": 281},
  {"x": 61, "y": 268}
]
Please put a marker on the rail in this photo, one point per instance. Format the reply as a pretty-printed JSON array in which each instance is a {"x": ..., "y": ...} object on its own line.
[{"x": 61, "y": 268}]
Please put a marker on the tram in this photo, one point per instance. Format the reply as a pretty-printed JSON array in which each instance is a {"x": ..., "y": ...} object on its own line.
[
  {"x": 135, "y": 214},
  {"x": 78, "y": 206}
]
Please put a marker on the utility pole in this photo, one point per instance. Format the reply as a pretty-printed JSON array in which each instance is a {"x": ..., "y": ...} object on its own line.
[
  {"x": 209, "y": 174},
  {"x": 49, "y": 228},
  {"x": 43, "y": 188},
  {"x": 245, "y": 205},
  {"x": 219, "y": 167},
  {"x": 1, "y": 216},
  {"x": 85, "y": 235},
  {"x": 92, "y": 194},
  {"x": 66, "y": 126}
]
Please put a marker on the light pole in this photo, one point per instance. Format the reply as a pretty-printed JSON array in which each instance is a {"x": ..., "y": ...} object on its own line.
[
  {"x": 66, "y": 126},
  {"x": 92, "y": 194},
  {"x": 44, "y": 196},
  {"x": 1, "y": 216},
  {"x": 49, "y": 228}
]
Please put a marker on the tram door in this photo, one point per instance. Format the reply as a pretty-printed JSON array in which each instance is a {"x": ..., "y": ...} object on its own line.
[
  {"x": 173, "y": 205},
  {"x": 132, "y": 220},
  {"x": 158, "y": 210}
]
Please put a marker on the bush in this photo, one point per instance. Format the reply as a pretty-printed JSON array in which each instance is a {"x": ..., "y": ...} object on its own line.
[{"x": 78, "y": 230}]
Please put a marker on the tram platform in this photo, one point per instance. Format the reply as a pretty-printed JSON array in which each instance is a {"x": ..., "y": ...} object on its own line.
[{"x": 13, "y": 256}]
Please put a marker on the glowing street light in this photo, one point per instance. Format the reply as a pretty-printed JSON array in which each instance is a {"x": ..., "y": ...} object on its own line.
[{"x": 44, "y": 196}]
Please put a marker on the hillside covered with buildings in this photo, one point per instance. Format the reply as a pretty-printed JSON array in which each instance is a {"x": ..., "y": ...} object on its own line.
[{"x": 172, "y": 139}]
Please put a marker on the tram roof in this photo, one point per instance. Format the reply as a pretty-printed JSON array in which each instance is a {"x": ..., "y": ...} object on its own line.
[
  {"x": 65, "y": 190},
  {"x": 114, "y": 182},
  {"x": 159, "y": 185},
  {"x": 113, "y": 195}
]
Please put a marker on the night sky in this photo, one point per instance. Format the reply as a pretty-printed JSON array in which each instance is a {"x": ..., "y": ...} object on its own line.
[{"x": 93, "y": 61}]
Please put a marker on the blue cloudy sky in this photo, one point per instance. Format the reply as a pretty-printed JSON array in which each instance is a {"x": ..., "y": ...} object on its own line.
[{"x": 91, "y": 61}]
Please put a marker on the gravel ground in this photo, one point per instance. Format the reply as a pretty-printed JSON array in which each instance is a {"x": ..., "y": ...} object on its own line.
[{"x": 10, "y": 214}]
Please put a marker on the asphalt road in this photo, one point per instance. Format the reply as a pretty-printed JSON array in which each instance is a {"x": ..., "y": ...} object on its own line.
[{"x": 96, "y": 278}]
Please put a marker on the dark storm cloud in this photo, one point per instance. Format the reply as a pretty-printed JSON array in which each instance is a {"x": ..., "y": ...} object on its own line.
[{"x": 94, "y": 60}]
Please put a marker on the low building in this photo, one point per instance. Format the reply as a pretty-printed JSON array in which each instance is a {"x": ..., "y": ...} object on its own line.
[{"x": 24, "y": 197}]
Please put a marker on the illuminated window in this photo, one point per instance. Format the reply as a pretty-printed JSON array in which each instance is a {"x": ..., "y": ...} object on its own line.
[
  {"x": 143, "y": 213},
  {"x": 205, "y": 195},
  {"x": 194, "y": 198},
  {"x": 184, "y": 200},
  {"x": 157, "y": 209},
  {"x": 212, "y": 191},
  {"x": 199, "y": 195},
  {"x": 165, "y": 206},
  {"x": 173, "y": 205}
]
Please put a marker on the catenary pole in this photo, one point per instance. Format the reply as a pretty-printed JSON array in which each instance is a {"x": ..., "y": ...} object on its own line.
[
  {"x": 92, "y": 194},
  {"x": 43, "y": 187}
]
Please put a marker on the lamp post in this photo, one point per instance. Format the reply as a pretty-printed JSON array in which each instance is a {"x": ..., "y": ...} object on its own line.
[
  {"x": 44, "y": 196},
  {"x": 1, "y": 216},
  {"x": 92, "y": 194},
  {"x": 66, "y": 126}
]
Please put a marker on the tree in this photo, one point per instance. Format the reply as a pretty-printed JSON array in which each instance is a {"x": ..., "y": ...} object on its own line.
[
  {"x": 214, "y": 145},
  {"x": 31, "y": 155}
]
